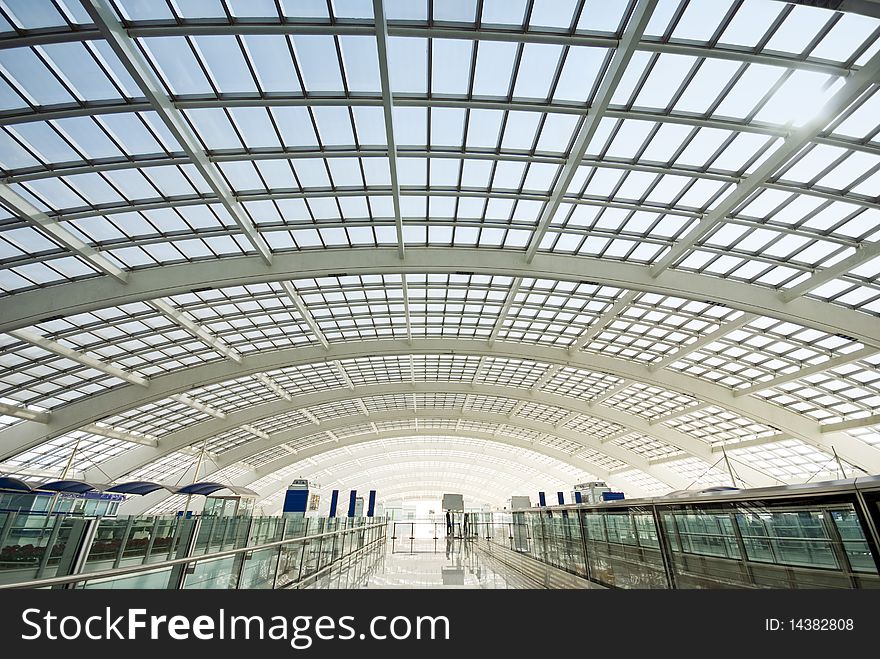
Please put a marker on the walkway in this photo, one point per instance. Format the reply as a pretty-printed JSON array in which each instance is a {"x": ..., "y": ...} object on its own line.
[{"x": 425, "y": 563}]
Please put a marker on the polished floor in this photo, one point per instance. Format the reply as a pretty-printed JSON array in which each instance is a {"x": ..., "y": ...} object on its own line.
[{"x": 423, "y": 562}]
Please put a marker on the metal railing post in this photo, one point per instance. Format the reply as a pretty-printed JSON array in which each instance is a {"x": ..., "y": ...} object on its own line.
[
  {"x": 185, "y": 549},
  {"x": 665, "y": 548},
  {"x": 50, "y": 544},
  {"x": 76, "y": 551},
  {"x": 124, "y": 543}
]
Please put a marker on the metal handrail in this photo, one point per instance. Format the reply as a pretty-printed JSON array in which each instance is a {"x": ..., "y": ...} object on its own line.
[{"x": 153, "y": 567}]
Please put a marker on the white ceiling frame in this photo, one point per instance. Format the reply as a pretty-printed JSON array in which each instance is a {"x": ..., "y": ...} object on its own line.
[
  {"x": 388, "y": 110},
  {"x": 181, "y": 318},
  {"x": 23, "y": 435},
  {"x": 24, "y": 209},
  {"x": 856, "y": 83},
  {"x": 142, "y": 73},
  {"x": 623, "y": 52},
  {"x": 304, "y": 312},
  {"x": 32, "y": 307},
  {"x": 79, "y": 357}
]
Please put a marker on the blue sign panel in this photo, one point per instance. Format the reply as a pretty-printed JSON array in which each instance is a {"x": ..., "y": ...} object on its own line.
[
  {"x": 295, "y": 501},
  {"x": 351, "y": 502},
  {"x": 334, "y": 499},
  {"x": 371, "y": 505}
]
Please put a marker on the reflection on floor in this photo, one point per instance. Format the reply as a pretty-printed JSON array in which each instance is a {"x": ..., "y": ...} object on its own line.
[{"x": 424, "y": 563}]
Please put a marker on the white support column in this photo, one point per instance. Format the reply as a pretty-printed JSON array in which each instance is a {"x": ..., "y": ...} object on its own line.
[
  {"x": 196, "y": 452},
  {"x": 362, "y": 406},
  {"x": 548, "y": 375},
  {"x": 865, "y": 252},
  {"x": 122, "y": 435},
  {"x": 256, "y": 432},
  {"x": 305, "y": 313},
  {"x": 478, "y": 374},
  {"x": 703, "y": 341},
  {"x": 571, "y": 416},
  {"x": 585, "y": 337},
  {"x": 696, "y": 407},
  {"x": 140, "y": 70},
  {"x": 834, "y": 362},
  {"x": 406, "y": 313},
  {"x": 195, "y": 329},
  {"x": 26, "y": 413},
  {"x": 343, "y": 375},
  {"x": 841, "y": 426},
  {"x": 622, "y": 56},
  {"x": 189, "y": 401},
  {"x": 273, "y": 386},
  {"x": 516, "y": 409},
  {"x": 80, "y": 357},
  {"x": 311, "y": 417},
  {"x": 24, "y": 209},
  {"x": 615, "y": 435},
  {"x": 609, "y": 393},
  {"x": 388, "y": 109},
  {"x": 505, "y": 309},
  {"x": 854, "y": 86}
]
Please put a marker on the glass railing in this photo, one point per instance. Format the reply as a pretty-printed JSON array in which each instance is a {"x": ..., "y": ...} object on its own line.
[
  {"x": 815, "y": 541},
  {"x": 177, "y": 552}
]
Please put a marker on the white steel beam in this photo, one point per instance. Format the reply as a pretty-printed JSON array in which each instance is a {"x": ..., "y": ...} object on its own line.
[
  {"x": 548, "y": 375},
  {"x": 24, "y": 209},
  {"x": 273, "y": 386},
  {"x": 256, "y": 432},
  {"x": 862, "y": 422},
  {"x": 26, "y": 413},
  {"x": 571, "y": 416},
  {"x": 505, "y": 308},
  {"x": 198, "y": 405},
  {"x": 619, "y": 306},
  {"x": 674, "y": 481},
  {"x": 23, "y": 435},
  {"x": 478, "y": 374},
  {"x": 620, "y": 60},
  {"x": 363, "y": 407},
  {"x": 31, "y": 307},
  {"x": 388, "y": 110},
  {"x": 182, "y": 319},
  {"x": 865, "y": 252},
  {"x": 615, "y": 435},
  {"x": 852, "y": 88},
  {"x": 704, "y": 340},
  {"x": 131, "y": 460},
  {"x": 137, "y": 66},
  {"x": 123, "y": 435},
  {"x": 343, "y": 375},
  {"x": 696, "y": 407},
  {"x": 80, "y": 357},
  {"x": 309, "y": 415},
  {"x": 406, "y": 312},
  {"x": 610, "y": 392},
  {"x": 303, "y": 310},
  {"x": 834, "y": 362},
  {"x": 516, "y": 409}
]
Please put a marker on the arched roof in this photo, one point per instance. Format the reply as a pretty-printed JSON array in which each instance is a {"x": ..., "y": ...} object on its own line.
[{"x": 634, "y": 237}]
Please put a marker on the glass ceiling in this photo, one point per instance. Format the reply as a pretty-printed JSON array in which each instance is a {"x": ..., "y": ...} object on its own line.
[{"x": 631, "y": 236}]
